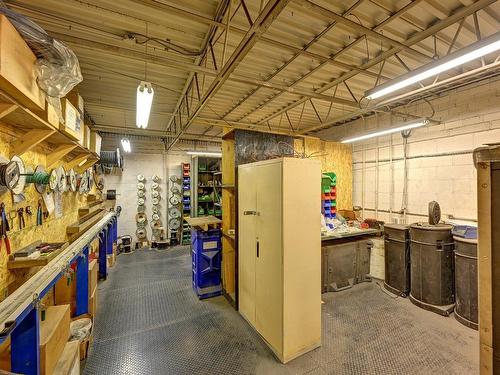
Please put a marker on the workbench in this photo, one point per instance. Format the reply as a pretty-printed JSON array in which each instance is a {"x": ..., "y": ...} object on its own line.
[
  {"x": 345, "y": 259},
  {"x": 20, "y": 311}
]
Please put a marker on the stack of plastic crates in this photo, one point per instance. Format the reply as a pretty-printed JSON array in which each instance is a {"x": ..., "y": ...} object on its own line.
[
  {"x": 206, "y": 261},
  {"x": 329, "y": 195},
  {"x": 186, "y": 202}
]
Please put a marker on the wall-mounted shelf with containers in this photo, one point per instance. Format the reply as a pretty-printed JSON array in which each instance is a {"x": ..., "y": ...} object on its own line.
[
  {"x": 186, "y": 203},
  {"x": 329, "y": 196}
]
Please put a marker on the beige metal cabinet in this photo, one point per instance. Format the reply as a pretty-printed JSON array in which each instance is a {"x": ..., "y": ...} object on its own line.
[{"x": 279, "y": 257}]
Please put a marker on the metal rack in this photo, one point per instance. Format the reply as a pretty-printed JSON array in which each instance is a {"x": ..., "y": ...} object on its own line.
[{"x": 19, "y": 317}]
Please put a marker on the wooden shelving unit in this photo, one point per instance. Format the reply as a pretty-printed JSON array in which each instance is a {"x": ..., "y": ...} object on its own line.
[
  {"x": 229, "y": 211},
  {"x": 32, "y": 128}
]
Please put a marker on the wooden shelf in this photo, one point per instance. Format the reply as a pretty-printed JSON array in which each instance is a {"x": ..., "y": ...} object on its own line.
[
  {"x": 37, "y": 130},
  {"x": 28, "y": 262}
]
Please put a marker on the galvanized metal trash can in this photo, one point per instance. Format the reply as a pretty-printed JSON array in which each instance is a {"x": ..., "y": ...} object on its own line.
[
  {"x": 397, "y": 258},
  {"x": 466, "y": 311},
  {"x": 344, "y": 264},
  {"x": 432, "y": 274}
]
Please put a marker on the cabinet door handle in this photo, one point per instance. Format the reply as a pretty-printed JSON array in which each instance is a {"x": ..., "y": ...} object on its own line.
[
  {"x": 258, "y": 248},
  {"x": 254, "y": 213}
]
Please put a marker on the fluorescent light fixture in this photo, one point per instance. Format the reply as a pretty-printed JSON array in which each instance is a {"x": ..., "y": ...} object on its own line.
[
  {"x": 126, "y": 145},
  {"x": 145, "y": 95},
  {"x": 460, "y": 57},
  {"x": 407, "y": 126},
  {"x": 205, "y": 153}
]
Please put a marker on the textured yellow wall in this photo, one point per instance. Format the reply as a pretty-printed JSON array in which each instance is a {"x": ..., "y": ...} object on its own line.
[
  {"x": 335, "y": 157},
  {"x": 52, "y": 229}
]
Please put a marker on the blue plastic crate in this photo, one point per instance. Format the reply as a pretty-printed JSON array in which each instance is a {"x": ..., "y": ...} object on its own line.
[{"x": 206, "y": 252}]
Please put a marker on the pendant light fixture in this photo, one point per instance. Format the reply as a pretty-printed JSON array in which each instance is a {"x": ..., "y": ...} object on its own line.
[
  {"x": 145, "y": 95},
  {"x": 126, "y": 145}
]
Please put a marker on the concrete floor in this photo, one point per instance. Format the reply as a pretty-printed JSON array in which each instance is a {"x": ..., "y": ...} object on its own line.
[{"x": 150, "y": 322}]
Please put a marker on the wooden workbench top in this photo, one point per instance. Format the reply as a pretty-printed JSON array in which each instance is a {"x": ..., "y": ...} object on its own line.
[{"x": 203, "y": 222}]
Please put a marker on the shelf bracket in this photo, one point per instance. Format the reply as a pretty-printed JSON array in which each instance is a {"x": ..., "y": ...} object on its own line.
[
  {"x": 7, "y": 108},
  {"x": 57, "y": 155},
  {"x": 90, "y": 162},
  {"x": 29, "y": 140},
  {"x": 80, "y": 159}
]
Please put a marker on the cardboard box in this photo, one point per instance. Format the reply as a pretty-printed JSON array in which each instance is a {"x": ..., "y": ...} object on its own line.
[
  {"x": 86, "y": 136},
  {"x": 73, "y": 124},
  {"x": 70, "y": 358},
  {"x": 93, "y": 304},
  {"x": 93, "y": 272},
  {"x": 54, "y": 333},
  {"x": 95, "y": 142},
  {"x": 65, "y": 294},
  {"x": 50, "y": 115},
  {"x": 76, "y": 99},
  {"x": 17, "y": 68}
]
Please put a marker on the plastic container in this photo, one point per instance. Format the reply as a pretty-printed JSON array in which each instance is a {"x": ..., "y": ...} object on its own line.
[{"x": 206, "y": 252}]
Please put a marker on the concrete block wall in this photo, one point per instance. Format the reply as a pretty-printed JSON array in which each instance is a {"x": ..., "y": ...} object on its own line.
[
  {"x": 125, "y": 183},
  {"x": 440, "y": 165}
]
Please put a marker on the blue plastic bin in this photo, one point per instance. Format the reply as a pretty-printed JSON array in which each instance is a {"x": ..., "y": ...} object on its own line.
[{"x": 206, "y": 253}]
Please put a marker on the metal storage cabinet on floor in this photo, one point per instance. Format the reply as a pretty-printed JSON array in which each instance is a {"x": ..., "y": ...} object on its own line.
[
  {"x": 279, "y": 253},
  {"x": 397, "y": 258},
  {"x": 431, "y": 253},
  {"x": 466, "y": 281},
  {"x": 345, "y": 264},
  {"x": 206, "y": 258}
]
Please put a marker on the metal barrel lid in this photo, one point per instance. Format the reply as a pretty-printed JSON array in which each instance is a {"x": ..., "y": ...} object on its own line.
[
  {"x": 431, "y": 227},
  {"x": 486, "y": 154}
]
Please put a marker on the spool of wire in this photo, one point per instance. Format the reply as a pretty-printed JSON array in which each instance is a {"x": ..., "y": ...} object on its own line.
[
  {"x": 19, "y": 187},
  {"x": 40, "y": 178},
  {"x": 111, "y": 158},
  {"x": 9, "y": 174}
]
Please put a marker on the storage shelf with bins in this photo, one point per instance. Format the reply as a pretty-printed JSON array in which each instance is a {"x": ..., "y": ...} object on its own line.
[
  {"x": 329, "y": 196},
  {"x": 186, "y": 203},
  {"x": 207, "y": 186}
]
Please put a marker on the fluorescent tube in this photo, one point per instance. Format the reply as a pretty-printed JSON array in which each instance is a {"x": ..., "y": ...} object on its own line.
[
  {"x": 205, "y": 153},
  {"x": 145, "y": 95},
  {"x": 460, "y": 57},
  {"x": 410, "y": 125},
  {"x": 126, "y": 145}
]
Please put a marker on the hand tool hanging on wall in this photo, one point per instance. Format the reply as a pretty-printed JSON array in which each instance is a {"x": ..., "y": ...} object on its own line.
[
  {"x": 12, "y": 216},
  {"x": 39, "y": 213},
  {"x": 4, "y": 227},
  {"x": 29, "y": 213},
  {"x": 20, "y": 214}
]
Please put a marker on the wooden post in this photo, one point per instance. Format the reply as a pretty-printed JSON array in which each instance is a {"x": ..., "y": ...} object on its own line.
[{"x": 487, "y": 160}]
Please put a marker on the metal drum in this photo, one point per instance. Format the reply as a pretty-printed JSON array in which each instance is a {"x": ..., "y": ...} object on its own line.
[
  {"x": 431, "y": 253},
  {"x": 397, "y": 259},
  {"x": 466, "y": 282}
]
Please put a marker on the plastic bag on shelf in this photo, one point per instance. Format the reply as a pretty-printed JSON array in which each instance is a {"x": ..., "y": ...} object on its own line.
[
  {"x": 57, "y": 67},
  {"x": 80, "y": 329}
]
